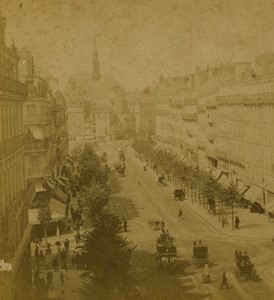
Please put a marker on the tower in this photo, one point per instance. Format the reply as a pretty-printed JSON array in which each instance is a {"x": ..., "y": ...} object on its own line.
[{"x": 95, "y": 63}]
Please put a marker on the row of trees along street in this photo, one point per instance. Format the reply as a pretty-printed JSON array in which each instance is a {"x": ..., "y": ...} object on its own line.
[
  {"x": 106, "y": 251},
  {"x": 199, "y": 185}
]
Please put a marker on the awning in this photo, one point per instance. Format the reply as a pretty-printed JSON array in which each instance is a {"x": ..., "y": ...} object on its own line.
[
  {"x": 51, "y": 184},
  {"x": 37, "y": 133},
  {"x": 216, "y": 173},
  {"x": 254, "y": 194},
  {"x": 224, "y": 181},
  {"x": 39, "y": 187},
  {"x": 57, "y": 208},
  {"x": 242, "y": 188},
  {"x": 61, "y": 182},
  {"x": 60, "y": 194}
]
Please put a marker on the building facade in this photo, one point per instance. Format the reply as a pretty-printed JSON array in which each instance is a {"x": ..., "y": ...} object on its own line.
[
  {"x": 15, "y": 232},
  {"x": 221, "y": 119}
]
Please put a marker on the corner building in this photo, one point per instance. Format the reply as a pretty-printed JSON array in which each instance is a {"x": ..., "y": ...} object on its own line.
[{"x": 14, "y": 230}]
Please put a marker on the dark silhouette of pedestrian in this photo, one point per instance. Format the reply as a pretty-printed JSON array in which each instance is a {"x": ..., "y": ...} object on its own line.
[
  {"x": 62, "y": 279},
  {"x": 139, "y": 183},
  {"x": 237, "y": 222},
  {"x": 78, "y": 237},
  {"x": 66, "y": 245},
  {"x": 36, "y": 278},
  {"x": 49, "y": 278},
  {"x": 180, "y": 213},
  {"x": 224, "y": 281},
  {"x": 55, "y": 263},
  {"x": 125, "y": 225}
]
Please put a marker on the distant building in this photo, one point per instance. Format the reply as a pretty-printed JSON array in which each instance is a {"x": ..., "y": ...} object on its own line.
[{"x": 100, "y": 102}]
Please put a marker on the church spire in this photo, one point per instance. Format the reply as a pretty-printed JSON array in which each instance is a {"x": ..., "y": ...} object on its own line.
[{"x": 95, "y": 62}]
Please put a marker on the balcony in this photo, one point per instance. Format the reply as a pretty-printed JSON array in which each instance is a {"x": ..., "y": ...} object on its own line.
[
  {"x": 8, "y": 84},
  {"x": 189, "y": 117},
  {"x": 36, "y": 147}
]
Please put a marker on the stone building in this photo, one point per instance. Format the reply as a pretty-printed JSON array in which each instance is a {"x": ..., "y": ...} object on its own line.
[{"x": 15, "y": 232}]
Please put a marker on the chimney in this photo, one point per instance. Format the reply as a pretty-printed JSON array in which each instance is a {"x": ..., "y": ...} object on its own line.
[{"x": 2, "y": 29}]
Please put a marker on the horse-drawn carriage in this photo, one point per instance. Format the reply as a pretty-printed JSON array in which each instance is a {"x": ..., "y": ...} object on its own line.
[
  {"x": 200, "y": 255},
  {"x": 245, "y": 270},
  {"x": 179, "y": 194},
  {"x": 162, "y": 180},
  {"x": 156, "y": 224},
  {"x": 166, "y": 252}
]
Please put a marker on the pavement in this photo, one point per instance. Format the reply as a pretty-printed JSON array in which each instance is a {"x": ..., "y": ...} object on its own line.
[{"x": 253, "y": 226}]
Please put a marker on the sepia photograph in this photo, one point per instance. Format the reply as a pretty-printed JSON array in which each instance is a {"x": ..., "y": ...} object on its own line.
[{"x": 136, "y": 149}]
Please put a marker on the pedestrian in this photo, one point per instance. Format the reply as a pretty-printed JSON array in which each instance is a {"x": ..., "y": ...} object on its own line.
[
  {"x": 37, "y": 258},
  {"x": 224, "y": 281},
  {"x": 65, "y": 269},
  {"x": 49, "y": 278},
  {"x": 180, "y": 213},
  {"x": 78, "y": 237},
  {"x": 237, "y": 222},
  {"x": 62, "y": 279},
  {"x": 125, "y": 225},
  {"x": 36, "y": 278},
  {"x": 55, "y": 263},
  {"x": 63, "y": 256},
  {"x": 66, "y": 245},
  {"x": 139, "y": 183},
  {"x": 57, "y": 231}
]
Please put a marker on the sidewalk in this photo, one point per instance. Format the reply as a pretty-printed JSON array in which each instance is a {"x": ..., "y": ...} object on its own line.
[{"x": 253, "y": 226}]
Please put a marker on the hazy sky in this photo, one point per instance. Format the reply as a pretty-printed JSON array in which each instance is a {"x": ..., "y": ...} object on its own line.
[{"x": 139, "y": 39}]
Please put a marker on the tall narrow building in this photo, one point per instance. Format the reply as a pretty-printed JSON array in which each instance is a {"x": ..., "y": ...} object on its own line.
[{"x": 15, "y": 283}]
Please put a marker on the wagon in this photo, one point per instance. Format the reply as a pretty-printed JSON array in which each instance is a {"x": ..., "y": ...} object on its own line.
[
  {"x": 179, "y": 194},
  {"x": 200, "y": 255},
  {"x": 166, "y": 253},
  {"x": 245, "y": 270}
]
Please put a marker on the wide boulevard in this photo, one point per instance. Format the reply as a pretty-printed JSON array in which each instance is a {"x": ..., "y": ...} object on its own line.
[{"x": 150, "y": 201}]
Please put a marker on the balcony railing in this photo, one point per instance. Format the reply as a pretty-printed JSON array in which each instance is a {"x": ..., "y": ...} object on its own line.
[
  {"x": 8, "y": 84},
  {"x": 36, "y": 147}
]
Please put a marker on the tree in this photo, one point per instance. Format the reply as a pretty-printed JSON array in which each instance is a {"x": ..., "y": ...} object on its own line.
[
  {"x": 91, "y": 170},
  {"x": 96, "y": 198},
  {"x": 229, "y": 197},
  {"x": 107, "y": 255},
  {"x": 44, "y": 216}
]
